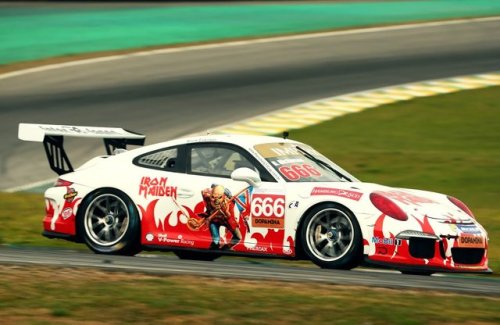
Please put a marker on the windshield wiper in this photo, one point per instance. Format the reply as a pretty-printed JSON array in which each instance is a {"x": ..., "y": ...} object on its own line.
[{"x": 323, "y": 163}]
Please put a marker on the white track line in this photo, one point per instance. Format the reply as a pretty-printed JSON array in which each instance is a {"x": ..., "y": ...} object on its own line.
[{"x": 30, "y": 186}]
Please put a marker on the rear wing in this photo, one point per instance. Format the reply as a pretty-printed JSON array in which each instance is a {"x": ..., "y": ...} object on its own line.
[{"x": 52, "y": 137}]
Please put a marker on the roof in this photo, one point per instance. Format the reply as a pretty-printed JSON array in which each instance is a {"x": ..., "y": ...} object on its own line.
[{"x": 245, "y": 141}]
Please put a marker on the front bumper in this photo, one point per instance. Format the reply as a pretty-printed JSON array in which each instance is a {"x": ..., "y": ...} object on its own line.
[{"x": 438, "y": 254}]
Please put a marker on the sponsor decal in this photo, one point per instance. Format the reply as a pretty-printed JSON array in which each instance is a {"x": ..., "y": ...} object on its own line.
[
  {"x": 185, "y": 242},
  {"x": 66, "y": 213},
  {"x": 469, "y": 229},
  {"x": 293, "y": 205},
  {"x": 156, "y": 187},
  {"x": 470, "y": 241},
  {"x": 259, "y": 249},
  {"x": 268, "y": 211},
  {"x": 271, "y": 150},
  {"x": 150, "y": 237},
  {"x": 79, "y": 130},
  {"x": 287, "y": 161},
  {"x": 387, "y": 241},
  {"x": 352, "y": 195},
  {"x": 163, "y": 238},
  {"x": 285, "y": 151},
  {"x": 70, "y": 194}
]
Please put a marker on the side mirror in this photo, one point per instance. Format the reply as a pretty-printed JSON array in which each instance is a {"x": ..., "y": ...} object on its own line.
[{"x": 246, "y": 175}]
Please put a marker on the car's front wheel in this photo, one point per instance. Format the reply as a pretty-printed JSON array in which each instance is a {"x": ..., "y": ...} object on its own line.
[
  {"x": 331, "y": 237},
  {"x": 110, "y": 223}
]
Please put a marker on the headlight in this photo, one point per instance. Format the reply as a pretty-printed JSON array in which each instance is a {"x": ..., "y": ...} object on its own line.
[
  {"x": 387, "y": 207},
  {"x": 461, "y": 205}
]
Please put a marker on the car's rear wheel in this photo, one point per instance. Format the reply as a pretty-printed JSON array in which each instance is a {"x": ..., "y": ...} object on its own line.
[
  {"x": 331, "y": 237},
  {"x": 110, "y": 223}
]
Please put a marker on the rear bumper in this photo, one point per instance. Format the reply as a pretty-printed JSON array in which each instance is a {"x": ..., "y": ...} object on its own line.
[{"x": 61, "y": 208}]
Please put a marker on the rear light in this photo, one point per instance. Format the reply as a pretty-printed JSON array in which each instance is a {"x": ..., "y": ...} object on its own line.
[
  {"x": 62, "y": 182},
  {"x": 461, "y": 206},
  {"x": 388, "y": 207}
]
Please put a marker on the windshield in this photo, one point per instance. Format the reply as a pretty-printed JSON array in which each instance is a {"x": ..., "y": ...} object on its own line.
[{"x": 297, "y": 162}]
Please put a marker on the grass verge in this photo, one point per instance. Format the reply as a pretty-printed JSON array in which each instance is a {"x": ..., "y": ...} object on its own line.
[
  {"x": 67, "y": 296},
  {"x": 21, "y": 217}
]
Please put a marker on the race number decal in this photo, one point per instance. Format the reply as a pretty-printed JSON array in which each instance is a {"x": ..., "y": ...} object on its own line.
[
  {"x": 296, "y": 172},
  {"x": 268, "y": 210}
]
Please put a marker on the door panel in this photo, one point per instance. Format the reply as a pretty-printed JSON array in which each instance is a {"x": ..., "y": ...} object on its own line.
[{"x": 199, "y": 206}]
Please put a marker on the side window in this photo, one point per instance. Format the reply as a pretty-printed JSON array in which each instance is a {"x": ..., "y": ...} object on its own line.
[
  {"x": 216, "y": 160},
  {"x": 164, "y": 159}
]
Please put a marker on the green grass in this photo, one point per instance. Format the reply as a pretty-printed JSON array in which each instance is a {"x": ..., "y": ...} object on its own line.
[
  {"x": 21, "y": 217},
  {"x": 69, "y": 295}
]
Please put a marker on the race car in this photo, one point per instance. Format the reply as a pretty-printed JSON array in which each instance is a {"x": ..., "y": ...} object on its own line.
[{"x": 204, "y": 196}]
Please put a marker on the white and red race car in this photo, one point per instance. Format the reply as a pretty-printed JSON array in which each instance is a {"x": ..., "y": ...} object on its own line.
[{"x": 204, "y": 196}]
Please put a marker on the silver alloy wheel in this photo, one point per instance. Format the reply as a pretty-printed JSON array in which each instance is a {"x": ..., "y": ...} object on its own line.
[
  {"x": 330, "y": 234},
  {"x": 106, "y": 219}
]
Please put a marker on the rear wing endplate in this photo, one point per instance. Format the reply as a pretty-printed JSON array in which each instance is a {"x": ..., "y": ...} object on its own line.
[{"x": 52, "y": 137}]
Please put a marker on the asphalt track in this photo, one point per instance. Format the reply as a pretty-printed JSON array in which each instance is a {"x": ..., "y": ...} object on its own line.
[
  {"x": 257, "y": 269},
  {"x": 169, "y": 95}
]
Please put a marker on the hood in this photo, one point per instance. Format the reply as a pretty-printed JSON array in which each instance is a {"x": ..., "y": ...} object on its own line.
[
  {"x": 404, "y": 202},
  {"x": 420, "y": 204}
]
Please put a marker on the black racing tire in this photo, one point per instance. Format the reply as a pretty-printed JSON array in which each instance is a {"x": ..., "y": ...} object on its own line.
[
  {"x": 199, "y": 256},
  {"x": 331, "y": 237},
  {"x": 109, "y": 223}
]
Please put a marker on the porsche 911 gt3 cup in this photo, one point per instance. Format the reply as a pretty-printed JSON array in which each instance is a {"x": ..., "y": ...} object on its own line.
[{"x": 205, "y": 196}]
